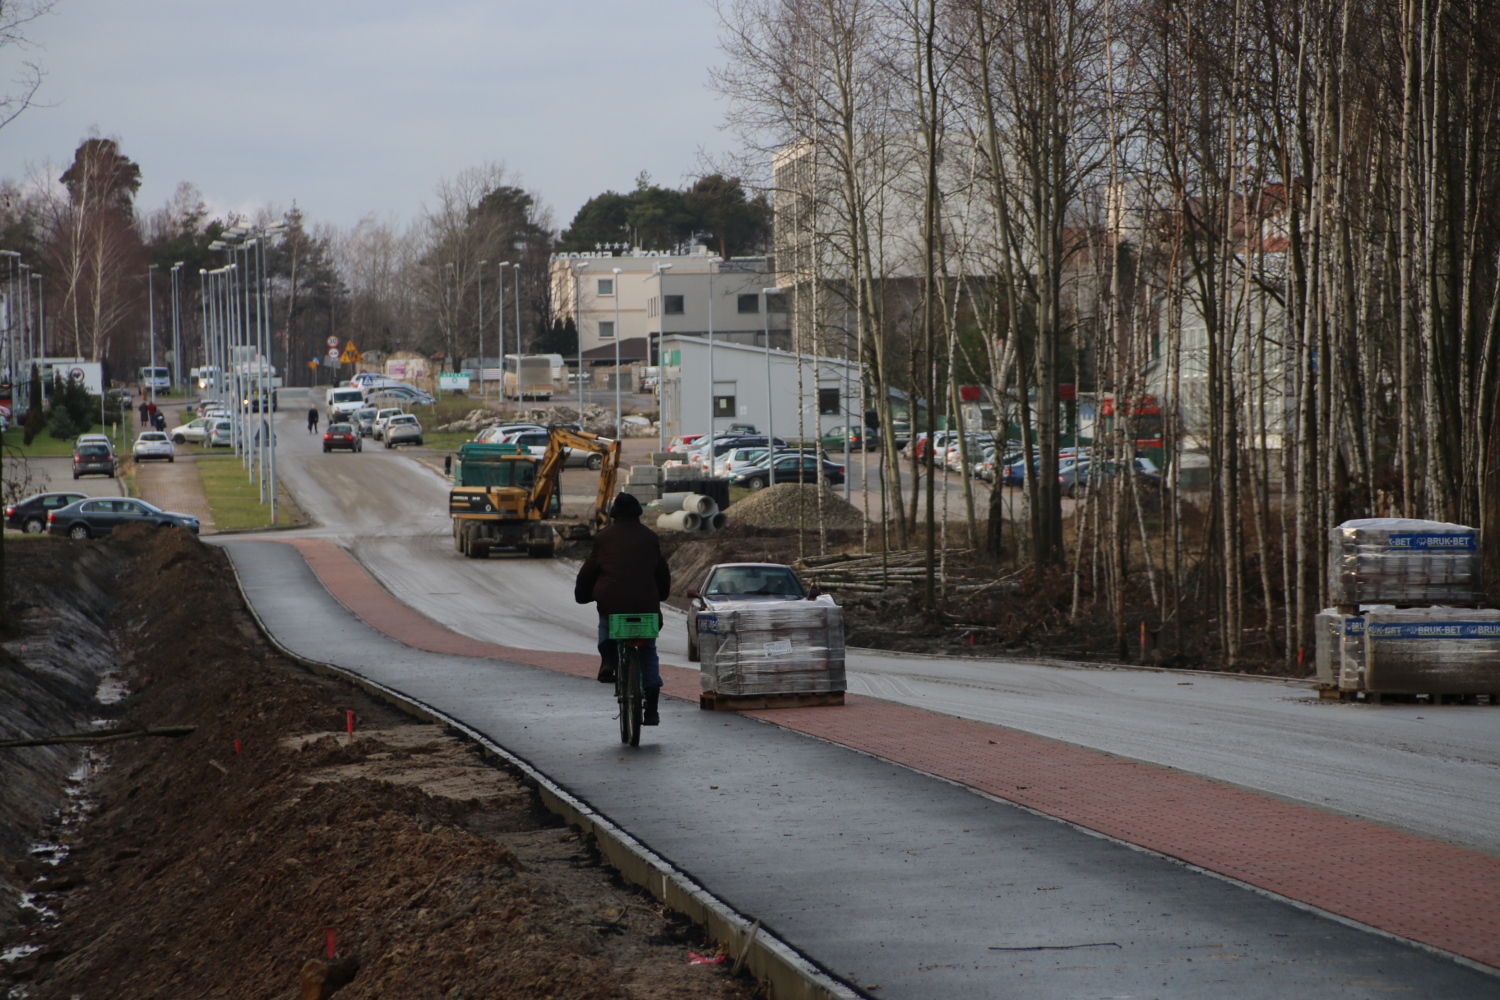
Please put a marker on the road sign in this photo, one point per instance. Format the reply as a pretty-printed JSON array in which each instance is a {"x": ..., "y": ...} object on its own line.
[
  {"x": 333, "y": 353},
  {"x": 1067, "y": 392},
  {"x": 333, "y": 341},
  {"x": 313, "y": 363},
  {"x": 351, "y": 354}
]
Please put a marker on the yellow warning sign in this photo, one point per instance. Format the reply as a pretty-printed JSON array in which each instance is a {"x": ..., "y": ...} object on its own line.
[{"x": 351, "y": 355}]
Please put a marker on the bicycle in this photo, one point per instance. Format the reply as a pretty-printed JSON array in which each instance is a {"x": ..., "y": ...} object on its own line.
[{"x": 629, "y": 633}]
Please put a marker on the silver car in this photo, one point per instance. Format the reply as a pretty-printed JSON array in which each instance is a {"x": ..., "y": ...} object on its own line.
[{"x": 405, "y": 429}]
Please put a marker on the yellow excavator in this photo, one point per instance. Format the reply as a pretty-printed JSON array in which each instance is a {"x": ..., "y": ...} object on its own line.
[{"x": 503, "y": 496}]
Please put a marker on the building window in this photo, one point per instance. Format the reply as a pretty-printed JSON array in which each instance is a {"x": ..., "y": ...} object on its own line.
[
  {"x": 724, "y": 406},
  {"x": 674, "y": 304},
  {"x": 828, "y": 401},
  {"x": 607, "y": 329},
  {"x": 606, "y": 286},
  {"x": 749, "y": 303}
]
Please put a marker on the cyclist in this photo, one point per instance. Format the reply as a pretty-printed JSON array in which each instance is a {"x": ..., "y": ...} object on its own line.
[{"x": 626, "y": 574}]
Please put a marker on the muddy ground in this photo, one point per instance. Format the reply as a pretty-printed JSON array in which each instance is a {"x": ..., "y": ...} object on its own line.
[{"x": 210, "y": 869}]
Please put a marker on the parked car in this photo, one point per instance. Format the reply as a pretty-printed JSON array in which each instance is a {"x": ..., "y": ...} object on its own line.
[
  {"x": 364, "y": 421},
  {"x": 791, "y": 467},
  {"x": 409, "y": 395},
  {"x": 1080, "y": 476},
  {"x": 731, "y": 462},
  {"x": 405, "y": 429},
  {"x": 708, "y": 453},
  {"x": 382, "y": 417},
  {"x": 221, "y": 434},
  {"x": 94, "y": 459},
  {"x": 859, "y": 438},
  {"x": 95, "y": 516},
  {"x": 192, "y": 432},
  {"x": 769, "y": 582},
  {"x": 534, "y": 443},
  {"x": 342, "y": 436},
  {"x": 369, "y": 381},
  {"x": 30, "y": 515},
  {"x": 684, "y": 442},
  {"x": 153, "y": 444},
  {"x": 499, "y": 432}
]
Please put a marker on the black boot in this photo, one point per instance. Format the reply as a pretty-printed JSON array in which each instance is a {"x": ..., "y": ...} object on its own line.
[
  {"x": 606, "y": 672},
  {"x": 649, "y": 716}
]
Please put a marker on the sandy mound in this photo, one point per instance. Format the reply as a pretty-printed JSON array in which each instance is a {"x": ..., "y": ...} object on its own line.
[{"x": 793, "y": 505}]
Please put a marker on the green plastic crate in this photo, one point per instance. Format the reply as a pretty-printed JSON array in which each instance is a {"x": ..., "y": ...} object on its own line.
[{"x": 646, "y": 626}]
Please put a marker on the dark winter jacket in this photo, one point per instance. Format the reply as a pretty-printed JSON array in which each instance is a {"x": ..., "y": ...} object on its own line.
[{"x": 626, "y": 573}]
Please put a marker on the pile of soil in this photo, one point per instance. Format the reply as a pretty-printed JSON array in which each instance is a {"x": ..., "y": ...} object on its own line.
[
  {"x": 794, "y": 505},
  {"x": 224, "y": 863}
]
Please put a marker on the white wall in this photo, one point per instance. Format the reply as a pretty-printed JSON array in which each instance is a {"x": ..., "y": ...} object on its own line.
[{"x": 740, "y": 370}]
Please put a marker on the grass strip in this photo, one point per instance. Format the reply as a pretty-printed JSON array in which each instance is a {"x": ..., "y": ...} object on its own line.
[{"x": 234, "y": 499}]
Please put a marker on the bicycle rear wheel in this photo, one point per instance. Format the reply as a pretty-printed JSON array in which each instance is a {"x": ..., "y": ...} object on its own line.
[{"x": 628, "y": 694}]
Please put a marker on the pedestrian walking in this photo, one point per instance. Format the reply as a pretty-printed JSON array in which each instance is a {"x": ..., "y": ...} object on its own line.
[
  {"x": 312, "y": 420},
  {"x": 145, "y": 414},
  {"x": 151, "y": 412}
]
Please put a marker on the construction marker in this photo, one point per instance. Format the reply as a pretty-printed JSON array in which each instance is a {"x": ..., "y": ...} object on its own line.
[
  {"x": 330, "y": 942},
  {"x": 1143, "y": 641},
  {"x": 1301, "y": 651},
  {"x": 349, "y": 718},
  {"x": 236, "y": 746}
]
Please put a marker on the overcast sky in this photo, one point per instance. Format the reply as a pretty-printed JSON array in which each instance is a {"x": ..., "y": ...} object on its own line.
[{"x": 357, "y": 107}]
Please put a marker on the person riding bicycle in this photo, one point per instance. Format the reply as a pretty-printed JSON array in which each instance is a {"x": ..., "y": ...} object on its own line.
[{"x": 626, "y": 574}]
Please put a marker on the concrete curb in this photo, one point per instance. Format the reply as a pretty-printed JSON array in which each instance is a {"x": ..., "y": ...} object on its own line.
[{"x": 782, "y": 971}]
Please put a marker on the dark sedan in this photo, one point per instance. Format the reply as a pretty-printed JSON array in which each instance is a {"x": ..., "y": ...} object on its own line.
[
  {"x": 95, "y": 516},
  {"x": 1078, "y": 478},
  {"x": 736, "y": 582},
  {"x": 342, "y": 436},
  {"x": 30, "y": 515},
  {"x": 793, "y": 468}
]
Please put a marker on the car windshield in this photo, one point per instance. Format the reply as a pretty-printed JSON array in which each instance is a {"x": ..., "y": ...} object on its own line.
[
  {"x": 339, "y": 428},
  {"x": 366, "y": 414},
  {"x": 93, "y": 449},
  {"x": 770, "y": 580}
]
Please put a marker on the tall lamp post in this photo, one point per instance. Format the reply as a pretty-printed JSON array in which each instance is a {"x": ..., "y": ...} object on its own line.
[
  {"x": 151, "y": 325},
  {"x": 517, "y": 266},
  {"x": 176, "y": 325},
  {"x": 480, "y": 325},
  {"x": 661, "y": 380},
  {"x": 619, "y": 414},
  {"x": 10, "y": 331},
  {"x": 765, "y": 306},
  {"x": 500, "y": 331},
  {"x": 578, "y": 270},
  {"x": 41, "y": 315}
]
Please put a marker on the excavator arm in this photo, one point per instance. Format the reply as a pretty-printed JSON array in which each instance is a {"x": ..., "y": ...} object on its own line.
[{"x": 559, "y": 441}]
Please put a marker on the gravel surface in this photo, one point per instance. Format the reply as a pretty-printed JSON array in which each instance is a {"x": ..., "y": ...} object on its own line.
[{"x": 778, "y": 507}]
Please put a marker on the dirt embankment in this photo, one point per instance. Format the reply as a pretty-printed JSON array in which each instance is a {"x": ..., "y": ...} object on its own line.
[{"x": 215, "y": 870}]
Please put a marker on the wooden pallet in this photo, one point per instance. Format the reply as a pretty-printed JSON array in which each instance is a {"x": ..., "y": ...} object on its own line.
[{"x": 713, "y": 701}]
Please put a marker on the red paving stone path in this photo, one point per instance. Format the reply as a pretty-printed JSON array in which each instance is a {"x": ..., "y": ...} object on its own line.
[{"x": 1415, "y": 888}]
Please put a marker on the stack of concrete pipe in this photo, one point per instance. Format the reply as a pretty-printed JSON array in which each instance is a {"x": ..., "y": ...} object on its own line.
[{"x": 689, "y": 512}]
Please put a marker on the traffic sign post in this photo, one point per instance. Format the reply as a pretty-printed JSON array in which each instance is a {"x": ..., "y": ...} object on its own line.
[{"x": 351, "y": 355}]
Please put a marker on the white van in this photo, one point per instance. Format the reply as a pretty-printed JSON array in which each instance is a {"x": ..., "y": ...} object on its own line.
[
  {"x": 158, "y": 379},
  {"x": 344, "y": 400}
]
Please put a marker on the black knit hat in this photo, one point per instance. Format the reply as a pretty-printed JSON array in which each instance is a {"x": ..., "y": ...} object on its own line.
[{"x": 625, "y": 505}]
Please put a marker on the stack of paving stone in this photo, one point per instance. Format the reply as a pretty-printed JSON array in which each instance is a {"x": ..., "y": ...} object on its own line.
[
  {"x": 761, "y": 649},
  {"x": 1394, "y": 627},
  {"x": 644, "y": 483}
]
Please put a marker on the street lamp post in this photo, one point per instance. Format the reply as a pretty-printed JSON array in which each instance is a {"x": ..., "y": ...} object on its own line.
[
  {"x": 661, "y": 379},
  {"x": 517, "y": 307},
  {"x": 765, "y": 304},
  {"x": 578, "y": 270},
  {"x": 41, "y": 315},
  {"x": 619, "y": 414},
  {"x": 500, "y": 329},
  {"x": 480, "y": 326},
  {"x": 176, "y": 325},
  {"x": 151, "y": 324},
  {"x": 10, "y": 330}
]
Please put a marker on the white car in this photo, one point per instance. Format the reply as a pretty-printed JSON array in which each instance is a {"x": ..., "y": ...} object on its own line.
[
  {"x": 741, "y": 458},
  {"x": 403, "y": 429},
  {"x": 501, "y": 432},
  {"x": 153, "y": 444},
  {"x": 382, "y": 417},
  {"x": 194, "y": 431},
  {"x": 220, "y": 434},
  {"x": 399, "y": 394}
]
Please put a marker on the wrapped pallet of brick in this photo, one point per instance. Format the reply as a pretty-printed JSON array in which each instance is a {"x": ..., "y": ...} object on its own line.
[
  {"x": 1351, "y": 652},
  {"x": 1398, "y": 560},
  {"x": 1432, "y": 651},
  {"x": 775, "y": 652},
  {"x": 1326, "y": 650}
]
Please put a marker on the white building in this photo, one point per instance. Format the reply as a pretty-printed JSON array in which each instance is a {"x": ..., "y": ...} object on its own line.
[
  {"x": 619, "y": 299},
  {"x": 781, "y": 393}
]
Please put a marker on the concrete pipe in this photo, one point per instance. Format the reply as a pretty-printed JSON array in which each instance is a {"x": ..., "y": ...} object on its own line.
[
  {"x": 671, "y": 503},
  {"x": 701, "y": 505},
  {"x": 715, "y": 522},
  {"x": 681, "y": 520}
]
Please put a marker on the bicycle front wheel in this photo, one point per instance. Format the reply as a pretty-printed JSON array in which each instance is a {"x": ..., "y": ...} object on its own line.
[{"x": 628, "y": 694}]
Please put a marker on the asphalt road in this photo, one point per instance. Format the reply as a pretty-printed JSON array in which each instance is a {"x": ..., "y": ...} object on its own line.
[{"x": 1429, "y": 770}]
